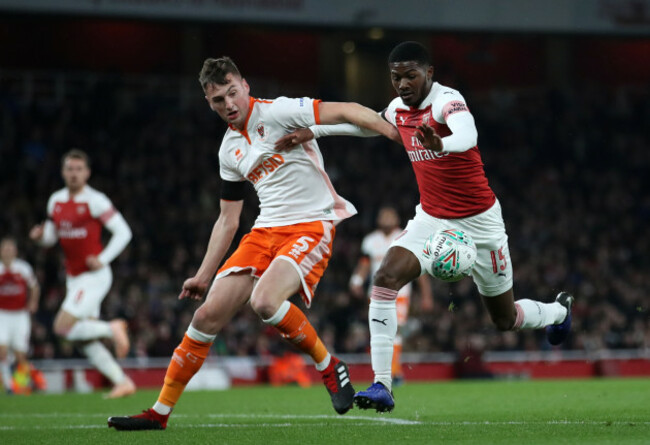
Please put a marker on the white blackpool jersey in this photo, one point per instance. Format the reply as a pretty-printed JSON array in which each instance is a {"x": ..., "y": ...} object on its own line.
[
  {"x": 375, "y": 245},
  {"x": 292, "y": 186}
]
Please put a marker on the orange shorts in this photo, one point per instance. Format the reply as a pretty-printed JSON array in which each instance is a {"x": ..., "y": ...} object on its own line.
[{"x": 307, "y": 246}]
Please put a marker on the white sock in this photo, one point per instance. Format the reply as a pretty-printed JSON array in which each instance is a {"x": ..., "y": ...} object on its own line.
[
  {"x": 5, "y": 370},
  {"x": 197, "y": 335},
  {"x": 100, "y": 358},
  {"x": 322, "y": 366},
  {"x": 87, "y": 329},
  {"x": 162, "y": 409},
  {"x": 279, "y": 314},
  {"x": 382, "y": 320},
  {"x": 534, "y": 314}
]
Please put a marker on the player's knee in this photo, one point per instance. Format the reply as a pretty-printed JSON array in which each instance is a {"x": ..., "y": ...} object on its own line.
[
  {"x": 61, "y": 329},
  {"x": 263, "y": 304},
  {"x": 387, "y": 278}
]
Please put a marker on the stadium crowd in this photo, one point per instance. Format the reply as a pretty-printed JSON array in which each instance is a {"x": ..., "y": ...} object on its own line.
[{"x": 570, "y": 167}]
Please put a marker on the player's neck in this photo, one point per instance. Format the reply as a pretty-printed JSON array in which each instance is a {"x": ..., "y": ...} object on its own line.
[
  {"x": 75, "y": 191},
  {"x": 7, "y": 263}
]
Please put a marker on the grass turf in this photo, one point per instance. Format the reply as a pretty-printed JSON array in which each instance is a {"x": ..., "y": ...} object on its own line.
[{"x": 599, "y": 411}]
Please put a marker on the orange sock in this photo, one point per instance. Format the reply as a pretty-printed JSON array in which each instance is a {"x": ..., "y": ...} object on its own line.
[
  {"x": 396, "y": 366},
  {"x": 296, "y": 328},
  {"x": 186, "y": 361}
]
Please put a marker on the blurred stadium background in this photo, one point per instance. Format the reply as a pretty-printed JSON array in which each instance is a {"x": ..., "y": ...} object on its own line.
[{"x": 560, "y": 92}]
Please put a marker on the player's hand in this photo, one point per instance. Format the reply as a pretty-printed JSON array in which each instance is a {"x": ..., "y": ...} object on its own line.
[
  {"x": 93, "y": 262},
  {"x": 193, "y": 288},
  {"x": 428, "y": 137},
  {"x": 289, "y": 141},
  {"x": 36, "y": 233}
]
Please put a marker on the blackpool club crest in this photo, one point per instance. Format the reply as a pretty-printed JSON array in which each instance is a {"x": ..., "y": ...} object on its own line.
[{"x": 260, "y": 130}]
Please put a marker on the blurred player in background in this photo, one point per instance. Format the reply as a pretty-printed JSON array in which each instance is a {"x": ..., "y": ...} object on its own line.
[
  {"x": 289, "y": 246},
  {"x": 373, "y": 250},
  {"x": 19, "y": 292},
  {"x": 76, "y": 215},
  {"x": 440, "y": 138}
]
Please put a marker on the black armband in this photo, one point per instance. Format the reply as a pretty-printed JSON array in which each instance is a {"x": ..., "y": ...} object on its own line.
[{"x": 232, "y": 191}]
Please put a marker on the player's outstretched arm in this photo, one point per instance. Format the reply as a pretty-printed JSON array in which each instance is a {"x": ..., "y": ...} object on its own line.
[
  {"x": 353, "y": 113},
  {"x": 222, "y": 235}
]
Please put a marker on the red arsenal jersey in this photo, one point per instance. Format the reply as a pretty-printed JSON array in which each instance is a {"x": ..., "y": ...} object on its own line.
[
  {"x": 78, "y": 221},
  {"x": 15, "y": 281},
  {"x": 452, "y": 185}
]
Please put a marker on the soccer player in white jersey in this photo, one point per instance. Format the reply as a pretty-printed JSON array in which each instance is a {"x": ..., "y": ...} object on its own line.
[
  {"x": 373, "y": 250},
  {"x": 289, "y": 246},
  {"x": 440, "y": 138},
  {"x": 76, "y": 215},
  {"x": 19, "y": 292}
]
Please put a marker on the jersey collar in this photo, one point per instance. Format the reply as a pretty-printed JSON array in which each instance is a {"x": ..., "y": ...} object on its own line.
[{"x": 244, "y": 132}]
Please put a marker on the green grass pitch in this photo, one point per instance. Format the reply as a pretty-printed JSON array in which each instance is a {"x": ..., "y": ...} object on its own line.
[{"x": 599, "y": 411}]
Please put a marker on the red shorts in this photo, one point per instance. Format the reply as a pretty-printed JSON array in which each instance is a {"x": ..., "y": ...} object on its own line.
[{"x": 307, "y": 246}]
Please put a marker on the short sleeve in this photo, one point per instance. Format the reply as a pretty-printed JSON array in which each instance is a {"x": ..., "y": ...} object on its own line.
[
  {"x": 227, "y": 170},
  {"x": 295, "y": 113},
  {"x": 447, "y": 103}
]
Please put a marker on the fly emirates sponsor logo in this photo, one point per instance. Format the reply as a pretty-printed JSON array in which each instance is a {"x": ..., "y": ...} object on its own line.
[
  {"x": 67, "y": 231},
  {"x": 265, "y": 168},
  {"x": 418, "y": 153}
]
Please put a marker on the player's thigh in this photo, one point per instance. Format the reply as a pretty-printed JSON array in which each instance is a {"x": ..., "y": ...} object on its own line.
[
  {"x": 85, "y": 293},
  {"x": 492, "y": 273},
  {"x": 404, "y": 261},
  {"x": 280, "y": 281},
  {"x": 225, "y": 298},
  {"x": 307, "y": 247}
]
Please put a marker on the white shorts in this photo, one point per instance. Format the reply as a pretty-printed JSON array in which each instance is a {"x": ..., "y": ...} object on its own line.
[
  {"x": 85, "y": 292},
  {"x": 492, "y": 272},
  {"x": 15, "y": 327}
]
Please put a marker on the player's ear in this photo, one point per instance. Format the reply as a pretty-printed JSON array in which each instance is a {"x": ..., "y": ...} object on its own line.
[
  {"x": 247, "y": 88},
  {"x": 430, "y": 72}
]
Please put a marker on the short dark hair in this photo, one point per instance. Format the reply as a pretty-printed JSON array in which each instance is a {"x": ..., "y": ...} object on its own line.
[
  {"x": 216, "y": 70},
  {"x": 410, "y": 51},
  {"x": 75, "y": 153}
]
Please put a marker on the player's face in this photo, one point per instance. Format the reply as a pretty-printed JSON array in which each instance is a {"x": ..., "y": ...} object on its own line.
[
  {"x": 230, "y": 101},
  {"x": 387, "y": 220},
  {"x": 411, "y": 80},
  {"x": 75, "y": 173},
  {"x": 8, "y": 250}
]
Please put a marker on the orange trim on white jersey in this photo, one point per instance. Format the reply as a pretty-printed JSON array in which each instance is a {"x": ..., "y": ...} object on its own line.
[
  {"x": 251, "y": 104},
  {"x": 317, "y": 111}
]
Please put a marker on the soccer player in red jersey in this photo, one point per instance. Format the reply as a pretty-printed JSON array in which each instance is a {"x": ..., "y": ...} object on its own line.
[
  {"x": 289, "y": 246},
  {"x": 440, "y": 138},
  {"x": 19, "y": 292},
  {"x": 76, "y": 215}
]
